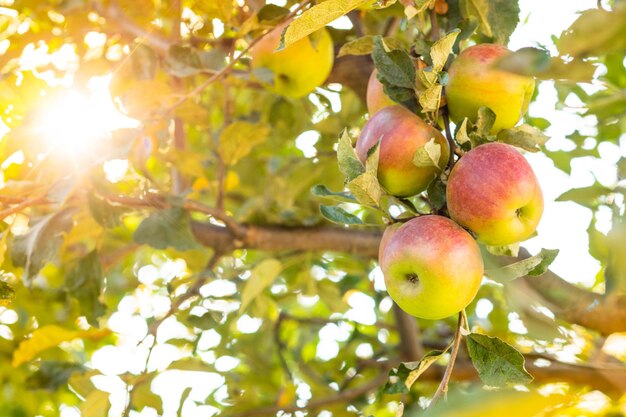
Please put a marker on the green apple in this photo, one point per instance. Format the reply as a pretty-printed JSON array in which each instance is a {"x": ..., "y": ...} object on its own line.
[
  {"x": 432, "y": 267},
  {"x": 401, "y": 133},
  {"x": 492, "y": 190},
  {"x": 299, "y": 68},
  {"x": 473, "y": 82}
]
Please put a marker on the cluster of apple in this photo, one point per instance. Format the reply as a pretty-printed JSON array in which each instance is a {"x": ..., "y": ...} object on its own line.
[{"x": 433, "y": 266}]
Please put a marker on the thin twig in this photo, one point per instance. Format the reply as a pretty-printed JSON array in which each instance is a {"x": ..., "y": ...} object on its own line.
[
  {"x": 21, "y": 206},
  {"x": 280, "y": 345},
  {"x": 443, "y": 386},
  {"x": 451, "y": 142}
]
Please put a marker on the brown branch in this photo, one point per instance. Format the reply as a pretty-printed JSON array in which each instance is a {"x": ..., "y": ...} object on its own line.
[
  {"x": 343, "y": 396},
  {"x": 21, "y": 206},
  {"x": 411, "y": 348}
]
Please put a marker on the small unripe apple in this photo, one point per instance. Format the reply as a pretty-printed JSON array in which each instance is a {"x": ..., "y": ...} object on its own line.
[
  {"x": 432, "y": 267},
  {"x": 401, "y": 133},
  {"x": 492, "y": 190},
  {"x": 299, "y": 68},
  {"x": 474, "y": 82}
]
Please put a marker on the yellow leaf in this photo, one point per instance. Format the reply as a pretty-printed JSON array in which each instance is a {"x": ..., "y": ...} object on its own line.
[
  {"x": 262, "y": 277},
  {"x": 316, "y": 18},
  {"x": 48, "y": 337},
  {"x": 95, "y": 405},
  {"x": 238, "y": 139}
]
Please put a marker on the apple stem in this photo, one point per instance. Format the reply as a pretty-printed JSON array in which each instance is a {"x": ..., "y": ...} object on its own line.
[
  {"x": 442, "y": 390},
  {"x": 451, "y": 142}
]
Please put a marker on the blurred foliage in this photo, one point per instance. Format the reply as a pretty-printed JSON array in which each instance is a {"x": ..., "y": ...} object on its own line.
[{"x": 91, "y": 264}]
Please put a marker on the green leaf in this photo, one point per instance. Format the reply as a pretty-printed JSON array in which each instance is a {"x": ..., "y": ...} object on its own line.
[
  {"x": 323, "y": 192},
  {"x": 40, "y": 245},
  {"x": 498, "y": 363},
  {"x": 428, "y": 155},
  {"x": 621, "y": 169},
  {"x": 365, "y": 45},
  {"x": 508, "y": 250},
  {"x": 272, "y": 13},
  {"x": 7, "y": 294},
  {"x": 338, "y": 215},
  {"x": 142, "y": 396},
  {"x": 437, "y": 193},
  {"x": 166, "y": 228},
  {"x": 395, "y": 66},
  {"x": 52, "y": 375},
  {"x": 534, "y": 266},
  {"x": 103, "y": 212},
  {"x": 498, "y": 18},
  {"x": 238, "y": 138},
  {"x": 84, "y": 283},
  {"x": 441, "y": 49},
  {"x": 183, "y": 61},
  {"x": 538, "y": 63},
  {"x": 95, "y": 405},
  {"x": 586, "y": 196},
  {"x": 525, "y": 136},
  {"x": 365, "y": 187},
  {"x": 484, "y": 121},
  {"x": 261, "y": 277},
  {"x": 430, "y": 98},
  {"x": 316, "y": 18},
  {"x": 349, "y": 163}
]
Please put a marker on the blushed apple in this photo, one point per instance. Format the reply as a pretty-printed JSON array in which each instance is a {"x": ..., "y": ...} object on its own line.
[
  {"x": 401, "y": 133},
  {"x": 299, "y": 68},
  {"x": 432, "y": 267},
  {"x": 473, "y": 82},
  {"x": 376, "y": 98},
  {"x": 492, "y": 190}
]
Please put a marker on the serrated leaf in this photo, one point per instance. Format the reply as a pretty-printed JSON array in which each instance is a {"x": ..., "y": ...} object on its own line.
[
  {"x": 238, "y": 138},
  {"x": 430, "y": 98},
  {"x": 533, "y": 266},
  {"x": 95, "y": 405},
  {"x": 525, "y": 136},
  {"x": 366, "y": 188},
  {"x": 461, "y": 135},
  {"x": 166, "y": 228},
  {"x": 428, "y": 155},
  {"x": 365, "y": 45},
  {"x": 338, "y": 215},
  {"x": 395, "y": 67},
  {"x": 586, "y": 196},
  {"x": 323, "y": 192},
  {"x": 84, "y": 283},
  {"x": 498, "y": 363},
  {"x": 498, "y": 18},
  {"x": 484, "y": 121},
  {"x": 349, "y": 163},
  {"x": 441, "y": 49},
  {"x": 437, "y": 193},
  {"x": 261, "y": 277},
  {"x": 421, "y": 366},
  {"x": 316, "y": 18},
  {"x": 35, "y": 248}
]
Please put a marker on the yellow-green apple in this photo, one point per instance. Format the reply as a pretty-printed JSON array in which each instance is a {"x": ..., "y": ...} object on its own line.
[
  {"x": 492, "y": 190},
  {"x": 299, "y": 68},
  {"x": 432, "y": 267},
  {"x": 474, "y": 82},
  {"x": 401, "y": 133},
  {"x": 375, "y": 97}
]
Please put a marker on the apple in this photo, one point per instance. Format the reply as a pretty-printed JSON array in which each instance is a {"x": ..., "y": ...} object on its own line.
[
  {"x": 432, "y": 267},
  {"x": 299, "y": 68},
  {"x": 401, "y": 133},
  {"x": 492, "y": 190},
  {"x": 375, "y": 97},
  {"x": 473, "y": 82}
]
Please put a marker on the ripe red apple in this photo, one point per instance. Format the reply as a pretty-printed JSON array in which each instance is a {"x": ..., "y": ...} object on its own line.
[
  {"x": 401, "y": 133},
  {"x": 493, "y": 191},
  {"x": 376, "y": 98},
  {"x": 432, "y": 267},
  {"x": 299, "y": 68},
  {"x": 473, "y": 82}
]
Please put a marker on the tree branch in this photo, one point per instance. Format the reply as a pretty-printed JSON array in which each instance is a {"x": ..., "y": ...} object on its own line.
[{"x": 411, "y": 348}]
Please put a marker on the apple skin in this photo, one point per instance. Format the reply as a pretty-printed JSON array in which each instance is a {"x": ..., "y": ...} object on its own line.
[
  {"x": 299, "y": 68},
  {"x": 493, "y": 191},
  {"x": 474, "y": 83},
  {"x": 432, "y": 267},
  {"x": 376, "y": 98},
  {"x": 401, "y": 133}
]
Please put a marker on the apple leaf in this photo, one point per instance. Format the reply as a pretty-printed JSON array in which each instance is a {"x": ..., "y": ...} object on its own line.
[
  {"x": 316, "y": 18},
  {"x": 484, "y": 121},
  {"x": 586, "y": 196},
  {"x": 525, "y": 136},
  {"x": 84, "y": 283},
  {"x": 402, "y": 379},
  {"x": 366, "y": 187},
  {"x": 394, "y": 66},
  {"x": 437, "y": 193},
  {"x": 538, "y": 63},
  {"x": 323, "y": 192},
  {"x": 37, "y": 247},
  {"x": 338, "y": 215},
  {"x": 365, "y": 45},
  {"x": 498, "y": 363},
  {"x": 166, "y": 228},
  {"x": 349, "y": 163},
  {"x": 7, "y": 294},
  {"x": 441, "y": 49},
  {"x": 533, "y": 266},
  {"x": 142, "y": 396},
  {"x": 508, "y": 250},
  {"x": 428, "y": 155},
  {"x": 430, "y": 98},
  {"x": 498, "y": 18},
  {"x": 96, "y": 404},
  {"x": 621, "y": 168},
  {"x": 261, "y": 277},
  {"x": 238, "y": 138}
]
